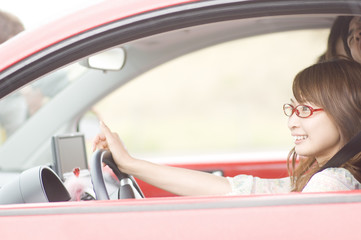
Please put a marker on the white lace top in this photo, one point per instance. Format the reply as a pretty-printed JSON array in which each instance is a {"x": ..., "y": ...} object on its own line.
[{"x": 330, "y": 179}]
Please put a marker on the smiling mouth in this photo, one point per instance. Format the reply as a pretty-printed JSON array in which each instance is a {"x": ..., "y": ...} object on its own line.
[{"x": 299, "y": 138}]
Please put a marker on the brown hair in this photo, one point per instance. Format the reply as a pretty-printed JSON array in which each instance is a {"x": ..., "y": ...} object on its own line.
[
  {"x": 10, "y": 25},
  {"x": 338, "y": 32},
  {"x": 344, "y": 34},
  {"x": 336, "y": 87}
]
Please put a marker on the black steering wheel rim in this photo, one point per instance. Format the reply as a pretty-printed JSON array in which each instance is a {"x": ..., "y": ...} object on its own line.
[{"x": 128, "y": 186}]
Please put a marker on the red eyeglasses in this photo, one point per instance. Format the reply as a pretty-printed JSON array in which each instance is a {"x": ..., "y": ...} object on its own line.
[{"x": 302, "y": 111}]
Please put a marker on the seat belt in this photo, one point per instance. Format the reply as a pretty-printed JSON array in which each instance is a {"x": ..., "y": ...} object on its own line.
[{"x": 348, "y": 151}]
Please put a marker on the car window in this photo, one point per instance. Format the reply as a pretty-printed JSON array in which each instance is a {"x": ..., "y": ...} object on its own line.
[
  {"x": 19, "y": 107},
  {"x": 224, "y": 99}
]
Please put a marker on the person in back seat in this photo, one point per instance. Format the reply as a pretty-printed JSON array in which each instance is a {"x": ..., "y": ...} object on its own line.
[
  {"x": 352, "y": 38},
  {"x": 335, "y": 45},
  {"x": 324, "y": 114}
]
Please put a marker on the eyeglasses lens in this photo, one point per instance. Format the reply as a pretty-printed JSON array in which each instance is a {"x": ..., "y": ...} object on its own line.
[
  {"x": 303, "y": 111},
  {"x": 288, "y": 109}
]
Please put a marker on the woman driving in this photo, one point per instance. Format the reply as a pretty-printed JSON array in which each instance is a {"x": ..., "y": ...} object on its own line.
[{"x": 324, "y": 114}]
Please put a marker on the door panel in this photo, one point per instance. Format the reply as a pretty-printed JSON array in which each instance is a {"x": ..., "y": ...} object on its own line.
[{"x": 265, "y": 169}]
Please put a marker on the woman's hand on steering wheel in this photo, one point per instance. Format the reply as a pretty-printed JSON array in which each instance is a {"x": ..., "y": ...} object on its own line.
[{"x": 109, "y": 140}]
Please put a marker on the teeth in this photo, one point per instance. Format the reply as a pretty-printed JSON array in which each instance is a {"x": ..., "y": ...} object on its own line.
[{"x": 299, "y": 137}]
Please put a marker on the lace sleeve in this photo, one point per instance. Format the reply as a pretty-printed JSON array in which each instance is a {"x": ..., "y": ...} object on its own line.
[
  {"x": 332, "y": 179},
  {"x": 246, "y": 184}
]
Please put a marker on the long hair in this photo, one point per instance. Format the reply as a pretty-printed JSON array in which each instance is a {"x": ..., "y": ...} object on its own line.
[
  {"x": 334, "y": 86},
  {"x": 338, "y": 30},
  {"x": 344, "y": 33}
]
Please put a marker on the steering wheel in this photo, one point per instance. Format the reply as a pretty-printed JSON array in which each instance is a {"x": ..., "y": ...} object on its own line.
[{"x": 128, "y": 186}]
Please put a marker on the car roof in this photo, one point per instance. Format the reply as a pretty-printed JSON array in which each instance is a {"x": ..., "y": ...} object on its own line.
[
  {"x": 30, "y": 42},
  {"x": 138, "y": 19}
]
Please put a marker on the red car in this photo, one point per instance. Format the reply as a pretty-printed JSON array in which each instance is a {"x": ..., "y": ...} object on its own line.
[{"x": 205, "y": 84}]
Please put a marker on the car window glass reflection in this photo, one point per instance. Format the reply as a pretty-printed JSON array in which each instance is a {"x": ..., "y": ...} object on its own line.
[{"x": 17, "y": 108}]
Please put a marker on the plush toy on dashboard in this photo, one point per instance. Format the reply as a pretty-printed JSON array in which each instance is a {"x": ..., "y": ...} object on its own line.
[{"x": 79, "y": 185}]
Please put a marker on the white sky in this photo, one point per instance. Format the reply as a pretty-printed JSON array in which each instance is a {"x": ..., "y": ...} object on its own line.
[{"x": 36, "y": 12}]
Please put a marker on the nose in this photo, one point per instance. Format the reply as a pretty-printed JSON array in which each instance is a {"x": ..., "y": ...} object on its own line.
[{"x": 293, "y": 121}]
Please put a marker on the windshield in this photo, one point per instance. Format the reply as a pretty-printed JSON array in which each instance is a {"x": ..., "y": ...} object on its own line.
[{"x": 21, "y": 106}]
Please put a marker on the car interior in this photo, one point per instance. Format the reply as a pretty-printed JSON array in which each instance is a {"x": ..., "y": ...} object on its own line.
[{"x": 206, "y": 97}]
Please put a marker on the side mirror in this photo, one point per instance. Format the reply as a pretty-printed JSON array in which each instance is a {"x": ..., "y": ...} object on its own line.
[{"x": 110, "y": 60}]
